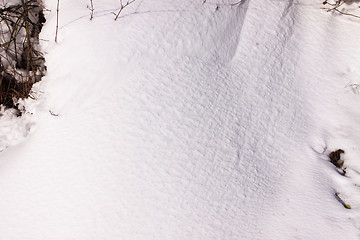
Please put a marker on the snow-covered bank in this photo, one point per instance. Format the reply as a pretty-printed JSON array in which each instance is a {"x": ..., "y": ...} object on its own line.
[{"x": 188, "y": 121}]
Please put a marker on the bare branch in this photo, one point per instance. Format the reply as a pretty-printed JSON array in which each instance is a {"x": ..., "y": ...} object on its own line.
[{"x": 122, "y": 6}]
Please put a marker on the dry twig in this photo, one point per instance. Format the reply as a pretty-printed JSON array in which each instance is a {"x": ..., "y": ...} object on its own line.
[
  {"x": 334, "y": 7},
  {"x": 122, "y": 6},
  {"x": 57, "y": 20},
  {"x": 91, "y": 10}
]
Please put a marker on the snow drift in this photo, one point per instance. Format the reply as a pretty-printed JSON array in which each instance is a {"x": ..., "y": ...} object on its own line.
[{"x": 184, "y": 120}]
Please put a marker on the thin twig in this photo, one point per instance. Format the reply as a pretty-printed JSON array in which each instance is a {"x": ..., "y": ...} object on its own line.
[
  {"x": 53, "y": 114},
  {"x": 122, "y": 7},
  {"x": 347, "y": 206},
  {"x": 57, "y": 20},
  {"x": 92, "y": 10},
  {"x": 335, "y": 7},
  {"x": 344, "y": 13}
]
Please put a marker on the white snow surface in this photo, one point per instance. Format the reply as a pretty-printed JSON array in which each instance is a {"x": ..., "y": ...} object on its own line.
[{"x": 184, "y": 120}]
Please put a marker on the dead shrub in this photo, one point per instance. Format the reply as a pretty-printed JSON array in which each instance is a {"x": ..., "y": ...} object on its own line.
[{"x": 21, "y": 62}]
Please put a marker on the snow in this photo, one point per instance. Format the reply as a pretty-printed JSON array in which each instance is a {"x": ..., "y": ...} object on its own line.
[{"x": 182, "y": 120}]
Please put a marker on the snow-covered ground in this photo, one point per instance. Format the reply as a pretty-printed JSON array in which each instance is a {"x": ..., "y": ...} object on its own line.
[{"x": 184, "y": 120}]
